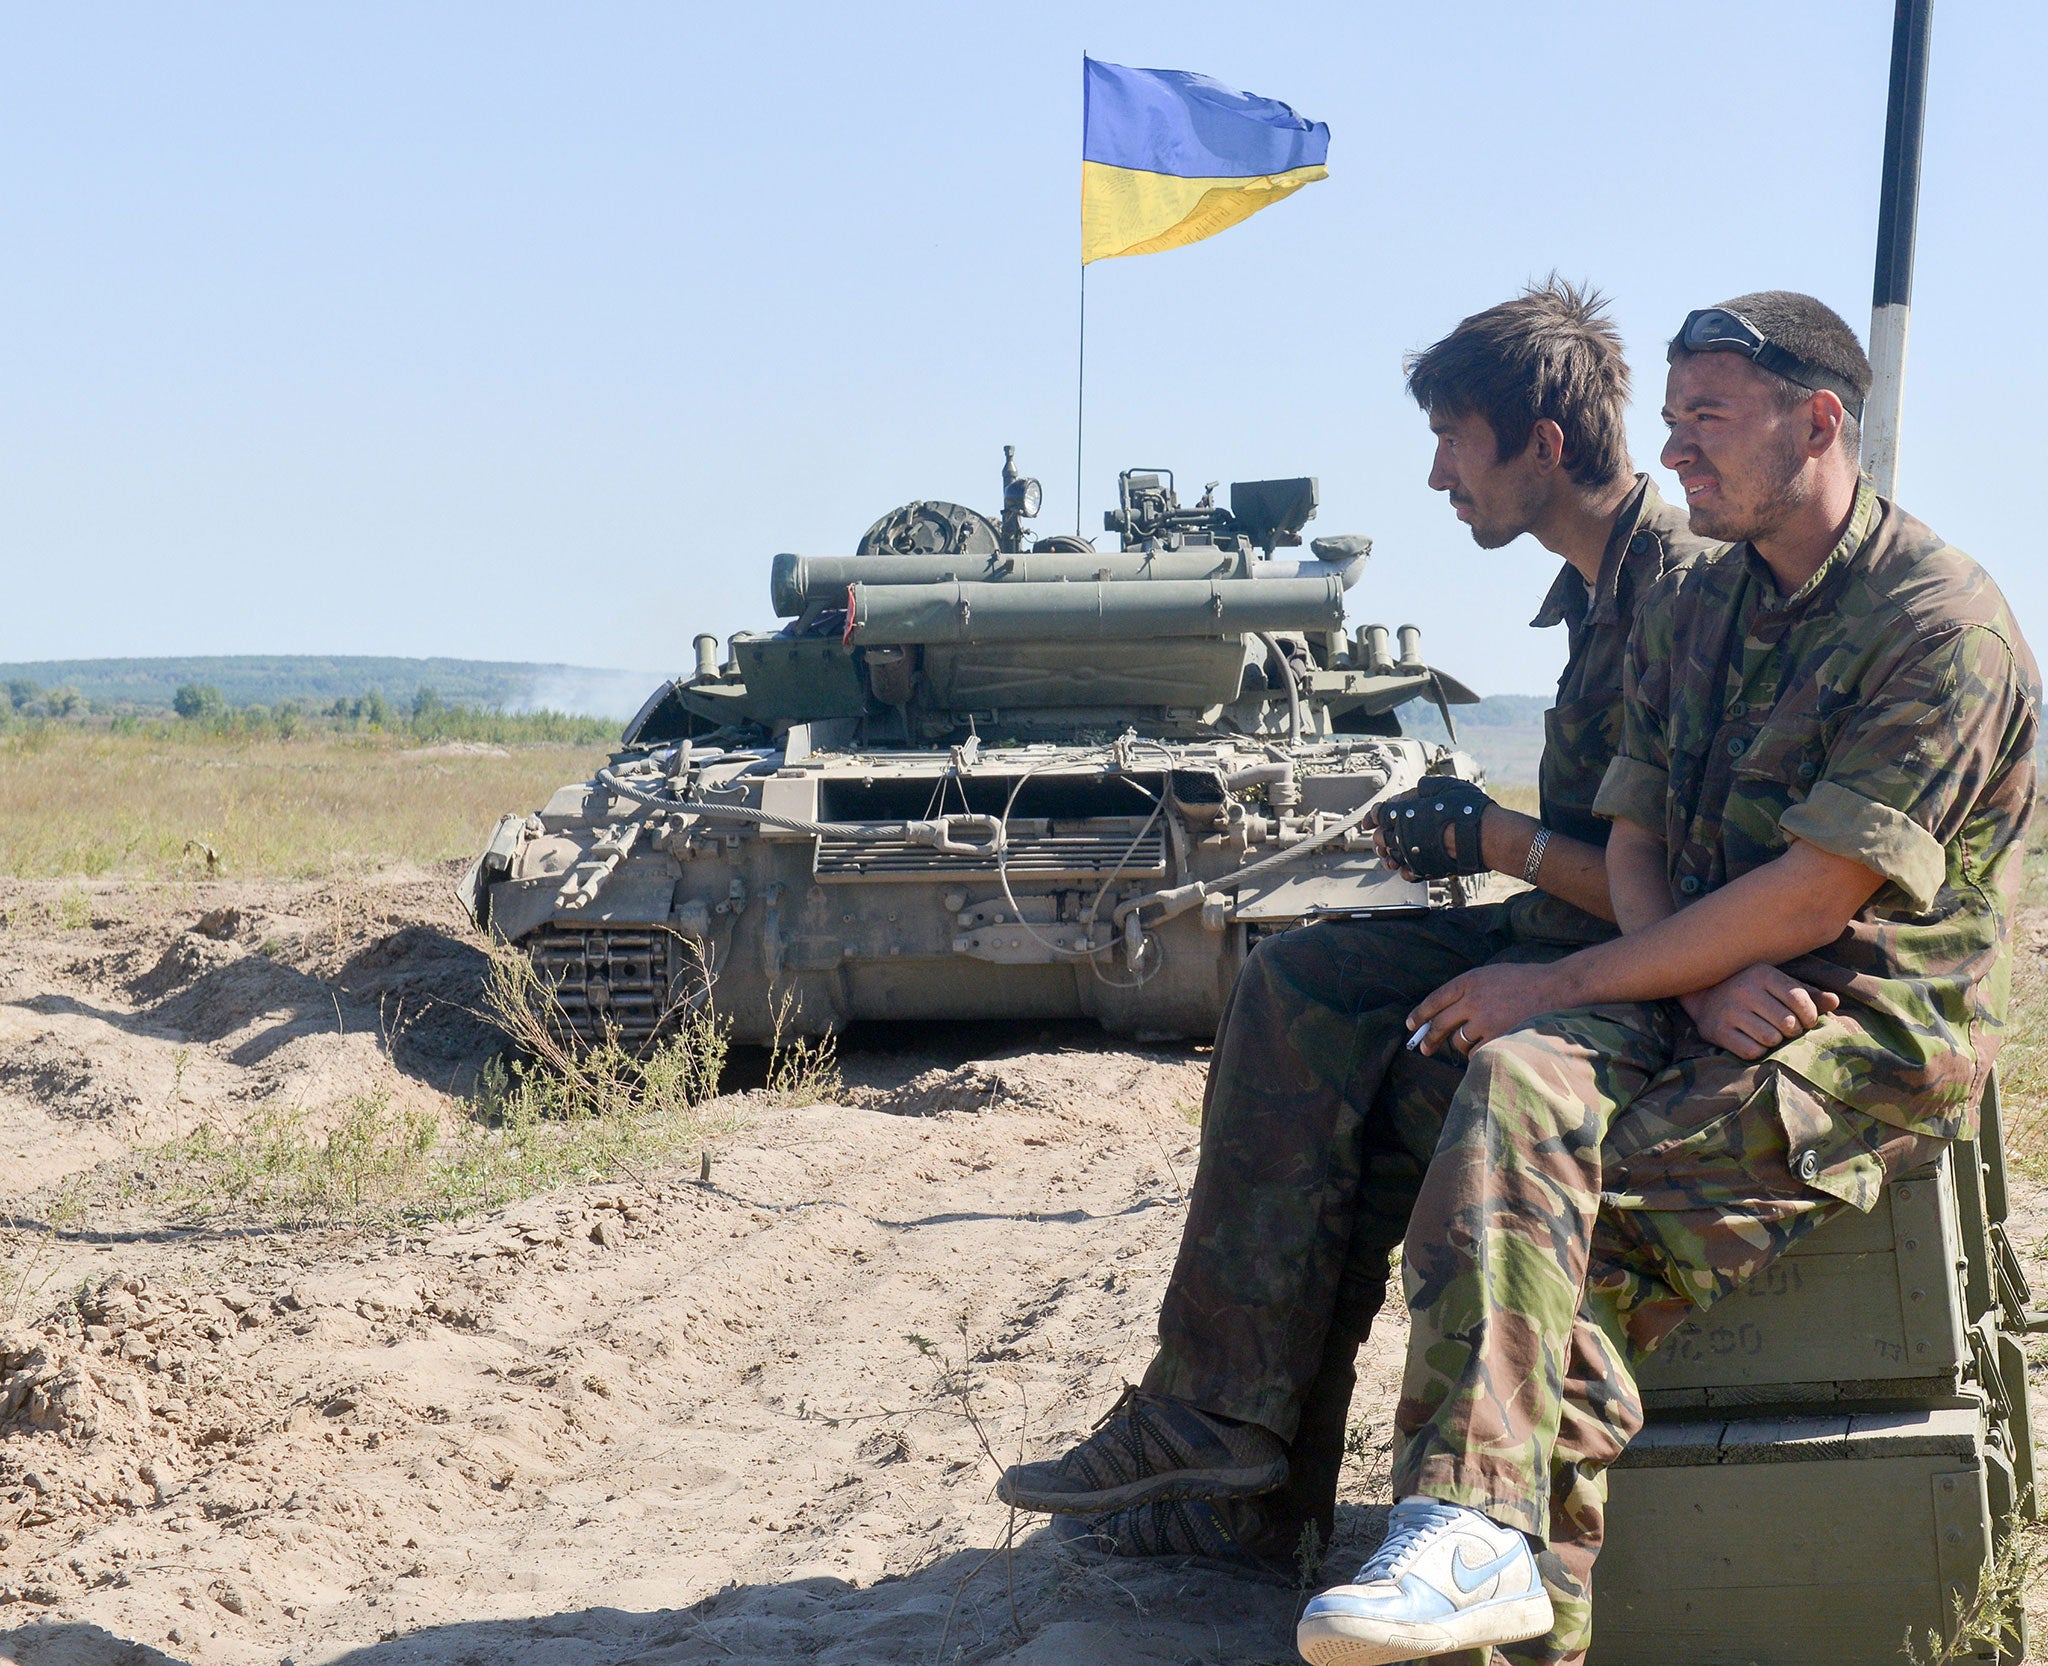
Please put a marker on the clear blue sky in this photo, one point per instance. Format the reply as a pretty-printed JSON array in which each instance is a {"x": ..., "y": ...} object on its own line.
[{"x": 531, "y": 332}]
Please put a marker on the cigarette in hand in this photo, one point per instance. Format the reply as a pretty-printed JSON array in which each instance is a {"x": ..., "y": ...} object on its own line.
[{"x": 1420, "y": 1036}]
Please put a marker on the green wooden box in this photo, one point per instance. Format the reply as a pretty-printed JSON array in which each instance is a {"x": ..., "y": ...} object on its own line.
[
  {"x": 1776, "y": 1541},
  {"x": 1921, "y": 1302},
  {"x": 1867, "y": 1308}
]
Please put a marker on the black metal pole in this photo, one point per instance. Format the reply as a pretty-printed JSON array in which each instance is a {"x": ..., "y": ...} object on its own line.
[{"x": 1898, "y": 215}]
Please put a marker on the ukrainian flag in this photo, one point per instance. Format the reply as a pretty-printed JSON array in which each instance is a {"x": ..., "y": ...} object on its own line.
[{"x": 1169, "y": 158}]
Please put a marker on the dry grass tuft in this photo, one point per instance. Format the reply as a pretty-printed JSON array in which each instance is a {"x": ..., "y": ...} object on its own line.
[
  {"x": 558, "y": 1114},
  {"x": 370, "y": 1162},
  {"x": 802, "y": 1070},
  {"x": 27, "y": 1263},
  {"x": 377, "y": 1167},
  {"x": 557, "y": 1077},
  {"x": 77, "y": 802},
  {"x": 2023, "y": 1065}
]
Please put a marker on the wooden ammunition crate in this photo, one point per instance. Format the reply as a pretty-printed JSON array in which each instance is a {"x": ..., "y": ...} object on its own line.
[
  {"x": 1833, "y": 1451},
  {"x": 1868, "y": 1308},
  {"x": 1775, "y": 1541},
  {"x": 1921, "y": 1302}
]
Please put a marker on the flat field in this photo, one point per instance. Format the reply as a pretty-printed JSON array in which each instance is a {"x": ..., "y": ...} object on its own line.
[
  {"x": 81, "y": 803},
  {"x": 316, "y": 1346}
]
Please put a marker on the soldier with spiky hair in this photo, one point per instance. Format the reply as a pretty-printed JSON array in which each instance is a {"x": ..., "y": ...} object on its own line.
[
  {"x": 1318, "y": 1124},
  {"x": 1824, "y": 783}
]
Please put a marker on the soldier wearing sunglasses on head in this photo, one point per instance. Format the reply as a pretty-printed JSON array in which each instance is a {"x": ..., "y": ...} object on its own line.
[
  {"x": 1824, "y": 784},
  {"x": 1318, "y": 1124}
]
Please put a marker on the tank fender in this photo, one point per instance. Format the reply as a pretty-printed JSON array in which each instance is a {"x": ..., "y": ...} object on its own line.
[{"x": 473, "y": 889}]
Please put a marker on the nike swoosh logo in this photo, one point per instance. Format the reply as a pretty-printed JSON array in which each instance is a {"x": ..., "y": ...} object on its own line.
[{"x": 1470, "y": 1578}]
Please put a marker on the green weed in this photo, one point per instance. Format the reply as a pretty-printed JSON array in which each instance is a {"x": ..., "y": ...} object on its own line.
[
  {"x": 1309, "y": 1551},
  {"x": 558, "y": 1113},
  {"x": 27, "y": 1268},
  {"x": 380, "y": 1166},
  {"x": 373, "y": 1160},
  {"x": 803, "y": 1069},
  {"x": 1989, "y": 1623},
  {"x": 566, "y": 1078},
  {"x": 67, "y": 1208}
]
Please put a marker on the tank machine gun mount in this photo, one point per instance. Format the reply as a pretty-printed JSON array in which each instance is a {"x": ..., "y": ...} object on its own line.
[{"x": 978, "y": 773}]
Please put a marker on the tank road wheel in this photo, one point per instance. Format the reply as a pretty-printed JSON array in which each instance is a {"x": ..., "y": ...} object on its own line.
[{"x": 611, "y": 982}]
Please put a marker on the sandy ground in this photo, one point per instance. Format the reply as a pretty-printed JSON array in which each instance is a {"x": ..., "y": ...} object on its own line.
[{"x": 657, "y": 1420}]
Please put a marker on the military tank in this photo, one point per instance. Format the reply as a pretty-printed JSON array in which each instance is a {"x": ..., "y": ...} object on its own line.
[{"x": 982, "y": 774}]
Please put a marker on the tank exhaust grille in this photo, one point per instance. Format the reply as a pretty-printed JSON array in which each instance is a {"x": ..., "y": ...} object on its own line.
[{"x": 1038, "y": 851}]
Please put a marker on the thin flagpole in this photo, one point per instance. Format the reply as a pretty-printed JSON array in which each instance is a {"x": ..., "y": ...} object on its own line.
[
  {"x": 1080, "y": 396},
  {"x": 1897, "y": 214}
]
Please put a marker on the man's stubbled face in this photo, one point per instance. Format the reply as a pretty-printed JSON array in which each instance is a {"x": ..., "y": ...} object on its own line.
[
  {"x": 1737, "y": 447},
  {"x": 1498, "y": 500}
]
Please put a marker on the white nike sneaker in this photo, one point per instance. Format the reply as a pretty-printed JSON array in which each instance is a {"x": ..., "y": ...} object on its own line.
[{"x": 1444, "y": 1578}]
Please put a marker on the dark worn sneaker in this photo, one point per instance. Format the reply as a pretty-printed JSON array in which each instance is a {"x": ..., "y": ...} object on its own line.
[
  {"x": 1184, "y": 1529},
  {"x": 1149, "y": 1449}
]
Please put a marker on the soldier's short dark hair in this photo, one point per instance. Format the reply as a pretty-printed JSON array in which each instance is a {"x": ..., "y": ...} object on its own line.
[
  {"x": 1808, "y": 329},
  {"x": 1550, "y": 352}
]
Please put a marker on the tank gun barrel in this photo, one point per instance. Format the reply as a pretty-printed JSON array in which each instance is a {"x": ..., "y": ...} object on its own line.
[
  {"x": 798, "y": 581},
  {"x": 956, "y": 611}
]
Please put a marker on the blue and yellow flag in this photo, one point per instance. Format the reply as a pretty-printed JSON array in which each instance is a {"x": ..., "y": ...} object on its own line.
[{"x": 1169, "y": 158}]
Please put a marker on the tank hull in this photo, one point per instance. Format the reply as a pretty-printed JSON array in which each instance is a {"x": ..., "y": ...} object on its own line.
[
  {"x": 636, "y": 910},
  {"x": 981, "y": 775}
]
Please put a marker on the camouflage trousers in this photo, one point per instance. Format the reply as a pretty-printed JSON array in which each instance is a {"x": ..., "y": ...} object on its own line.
[
  {"x": 1317, "y": 1128},
  {"x": 1603, "y": 1174}
]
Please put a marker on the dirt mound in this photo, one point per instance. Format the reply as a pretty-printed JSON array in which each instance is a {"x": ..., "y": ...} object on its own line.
[
  {"x": 190, "y": 956},
  {"x": 428, "y": 990},
  {"x": 63, "y": 1079},
  {"x": 182, "y": 1005},
  {"x": 968, "y": 1087},
  {"x": 418, "y": 989},
  {"x": 233, "y": 996},
  {"x": 1050, "y": 1082}
]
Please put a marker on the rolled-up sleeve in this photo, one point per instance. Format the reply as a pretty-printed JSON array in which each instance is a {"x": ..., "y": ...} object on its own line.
[
  {"x": 1901, "y": 777},
  {"x": 1632, "y": 790},
  {"x": 1886, "y": 841}
]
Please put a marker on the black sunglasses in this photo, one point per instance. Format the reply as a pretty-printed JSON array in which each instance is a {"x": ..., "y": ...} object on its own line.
[{"x": 1717, "y": 330}]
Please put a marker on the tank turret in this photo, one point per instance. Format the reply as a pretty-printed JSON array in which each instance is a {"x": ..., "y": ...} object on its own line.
[{"x": 978, "y": 773}]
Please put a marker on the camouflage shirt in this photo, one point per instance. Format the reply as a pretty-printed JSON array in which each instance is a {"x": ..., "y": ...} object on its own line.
[
  {"x": 1583, "y": 730},
  {"x": 1886, "y": 711}
]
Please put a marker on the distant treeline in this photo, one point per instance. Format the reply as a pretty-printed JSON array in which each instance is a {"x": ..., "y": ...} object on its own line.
[
  {"x": 201, "y": 709},
  {"x": 111, "y": 687}
]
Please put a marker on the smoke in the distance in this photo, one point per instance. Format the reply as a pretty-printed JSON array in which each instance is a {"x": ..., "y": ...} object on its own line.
[{"x": 616, "y": 694}]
